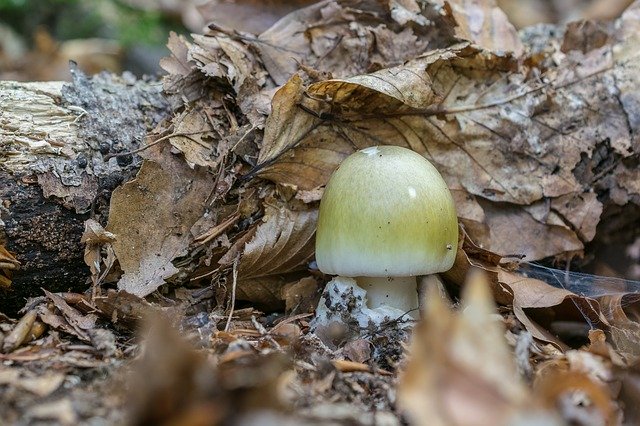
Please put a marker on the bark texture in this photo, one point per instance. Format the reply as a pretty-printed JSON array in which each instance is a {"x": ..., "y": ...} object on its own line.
[{"x": 56, "y": 170}]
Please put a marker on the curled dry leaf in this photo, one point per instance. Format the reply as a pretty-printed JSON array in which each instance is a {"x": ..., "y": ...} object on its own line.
[
  {"x": 460, "y": 368},
  {"x": 623, "y": 312},
  {"x": 540, "y": 306},
  {"x": 122, "y": 308},
  {"x": 96, "y": 239},
  {"x": 228, "y": 60},
  {"x": 8, "y": 264},
  {"x": 20, "y": 332},
  {"x": 70, "y": 319},
  {"x": 276, "y": 255}
]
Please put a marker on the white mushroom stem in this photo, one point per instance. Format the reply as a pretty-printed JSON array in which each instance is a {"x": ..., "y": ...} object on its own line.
[{"x": 395, "y": 292}]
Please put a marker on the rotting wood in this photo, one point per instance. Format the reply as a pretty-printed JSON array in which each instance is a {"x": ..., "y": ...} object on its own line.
[{"x": 54, "y": 137}]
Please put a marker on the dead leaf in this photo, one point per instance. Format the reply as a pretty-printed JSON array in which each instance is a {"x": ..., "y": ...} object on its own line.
[
  {"x": 97, "y": 239},
  {"x": 358, "y": 350},
  {"x": 623, "y": 313},
  {"x": 301, "y": 296},
  {"x": 353, "y": 366},
  {"x": 195, "y": 137},
  {"x": 70, "y": 321},
  {"x": 151, "y": 217},
  {"x": 76, "y": 197},
  {"x": 19, "y": 333},
  {"x": 347, "y": 38},
  {"x": 123, "y": 308},
  {"x": 460, "y": 369},
  {"x": 493, "y": 132},
  {"x": 577, "y": 388},
  {"x": 485, "y": 24},
  {"x": 538, "y": 305},
  {"x": 283, "y": 244},
  {"x": 8, "y": 264}
]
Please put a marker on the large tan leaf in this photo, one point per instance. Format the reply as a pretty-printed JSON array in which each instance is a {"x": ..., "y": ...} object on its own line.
[{"x": 151, "y": 217}]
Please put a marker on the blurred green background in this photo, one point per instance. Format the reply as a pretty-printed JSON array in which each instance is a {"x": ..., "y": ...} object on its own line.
[{"x": 39, "y": 37}]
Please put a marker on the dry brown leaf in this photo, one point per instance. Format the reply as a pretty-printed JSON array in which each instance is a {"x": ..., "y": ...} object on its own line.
[
  {"x": 545, "y": 307},
  {"x": 492, "y": 131},
  {"x": 151, "y": 218},
  {"x": 229, "y": 61},
  {"x": 8, "y": 264},
  {"x": 177, "y": 64},
  {"x": 623, "y": 312},
  {"x": 300, "y": 296},
  {"x": 461, "y": 370},
  {"x": 19, "y": 333},
  {"x": 542, "y": 306},
  {"x": 196, "y": 138},
  {"x": 538, "y": 305},
  {"x": 485, "y": 24},
  {"x": 78, "y": 324},
  {"x": 77, "y": 197},
  {"x": 347, "y": 37},
  {"x": 281, "y": 247},
  {"x": 123, "y": 308},
  {"x": 96, "y": 239}
]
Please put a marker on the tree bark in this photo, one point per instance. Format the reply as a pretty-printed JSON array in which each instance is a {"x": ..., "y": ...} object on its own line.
[{"x": 57, "y": 169}]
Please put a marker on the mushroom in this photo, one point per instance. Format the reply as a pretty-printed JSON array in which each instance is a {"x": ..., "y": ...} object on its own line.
[{"x": 386, "y": 216}]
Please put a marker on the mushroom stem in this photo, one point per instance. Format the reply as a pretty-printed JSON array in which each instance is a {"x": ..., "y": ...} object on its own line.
[{"x": 395, "y": 292}]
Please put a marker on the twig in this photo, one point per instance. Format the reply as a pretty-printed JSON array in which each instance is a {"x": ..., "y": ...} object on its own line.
[
  {"x": 157, "y": 141},
  {"x": 233, "y": 293}
]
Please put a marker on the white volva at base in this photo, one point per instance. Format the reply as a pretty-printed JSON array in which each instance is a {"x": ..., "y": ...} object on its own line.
[
  {"x": 343, "y": 297},
  {"x": 394, "y": 292}
]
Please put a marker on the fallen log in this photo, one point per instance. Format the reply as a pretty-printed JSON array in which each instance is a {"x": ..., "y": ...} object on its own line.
[{"x": 58, "y": 168}]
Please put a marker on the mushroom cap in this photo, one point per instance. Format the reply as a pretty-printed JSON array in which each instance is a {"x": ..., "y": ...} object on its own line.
[{"x": 386, "y": 212}]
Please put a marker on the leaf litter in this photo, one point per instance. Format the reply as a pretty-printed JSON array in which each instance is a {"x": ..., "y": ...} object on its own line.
[{"x": 214, "y": 236}]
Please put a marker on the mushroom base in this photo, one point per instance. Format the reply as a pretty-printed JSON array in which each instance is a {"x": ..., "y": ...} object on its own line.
[{"x": 395, "y": 292}]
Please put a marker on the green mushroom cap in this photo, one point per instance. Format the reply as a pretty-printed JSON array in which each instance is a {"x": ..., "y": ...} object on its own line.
[{"x": 386, "y": 212}]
